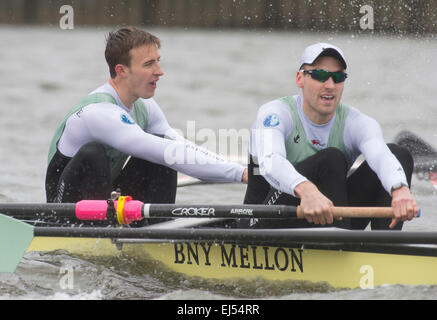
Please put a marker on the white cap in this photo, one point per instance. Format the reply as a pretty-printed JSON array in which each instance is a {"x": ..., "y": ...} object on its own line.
[{"x": 312, "y": 52}]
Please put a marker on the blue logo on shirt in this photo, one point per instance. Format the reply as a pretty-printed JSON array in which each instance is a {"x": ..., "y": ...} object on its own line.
[
  {"x": 126, "y": 119},
  {"x": 271, "y": 120}
]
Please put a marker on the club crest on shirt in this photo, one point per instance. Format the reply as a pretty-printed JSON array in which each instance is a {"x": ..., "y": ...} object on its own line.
[
  {"x": 317, "y": 143},
  {"x": 272, "y": 120},
  {"x": 126, "y": 119}
]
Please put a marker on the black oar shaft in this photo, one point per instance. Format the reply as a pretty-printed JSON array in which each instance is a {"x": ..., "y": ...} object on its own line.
[
  {"x": 218, "y": 211},
  {"x": 68, "y": 210},
  {"x": 38, "y": 210},
  {"x": 244, "y": 235}
]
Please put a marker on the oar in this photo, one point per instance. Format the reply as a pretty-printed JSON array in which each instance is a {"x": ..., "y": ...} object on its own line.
[
  {"x": 254, "y": 211},
  {"x": 186, "y": 181},
  {"x": 16, "y": 236},
  {"x": 125, "y": 210},
  {"x": 416, "y": 145},
  {"x": 424, "y": 155}
]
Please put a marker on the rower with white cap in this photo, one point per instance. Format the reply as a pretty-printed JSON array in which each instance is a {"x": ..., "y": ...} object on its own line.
[{"x": 302, "y": 147}]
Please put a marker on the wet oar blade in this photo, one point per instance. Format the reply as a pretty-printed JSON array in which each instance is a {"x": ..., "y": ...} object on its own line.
[{"x": 15, "y": 238}]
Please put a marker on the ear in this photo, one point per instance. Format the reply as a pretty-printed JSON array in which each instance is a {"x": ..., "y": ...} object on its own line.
[
  {"x": 299, "y": 79},
  {"x": 120, "y": 70}
]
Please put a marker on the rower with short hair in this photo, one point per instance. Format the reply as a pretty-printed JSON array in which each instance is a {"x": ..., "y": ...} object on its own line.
[
  {"x": 118, "y": 136},
  {"x": 302, "y": 147}
]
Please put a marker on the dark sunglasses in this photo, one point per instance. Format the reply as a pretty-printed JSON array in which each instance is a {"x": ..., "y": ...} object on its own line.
[{"x": 323, "y": 75}]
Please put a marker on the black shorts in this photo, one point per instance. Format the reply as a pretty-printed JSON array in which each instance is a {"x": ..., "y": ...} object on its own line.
[{"x": 87, "y": 176}]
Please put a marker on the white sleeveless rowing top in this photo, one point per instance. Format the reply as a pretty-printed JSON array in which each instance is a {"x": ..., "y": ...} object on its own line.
[{"x": 106, "y": 123}]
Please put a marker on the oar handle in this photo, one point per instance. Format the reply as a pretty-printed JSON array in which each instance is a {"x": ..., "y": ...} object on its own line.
[{"x": 356, "y": 212}]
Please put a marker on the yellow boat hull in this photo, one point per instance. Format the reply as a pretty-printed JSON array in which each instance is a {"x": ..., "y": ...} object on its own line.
[{"x": 338, "y": 268}]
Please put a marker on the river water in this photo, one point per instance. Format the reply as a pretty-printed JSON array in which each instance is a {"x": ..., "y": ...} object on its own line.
[{"x": 214, "y": 80}]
